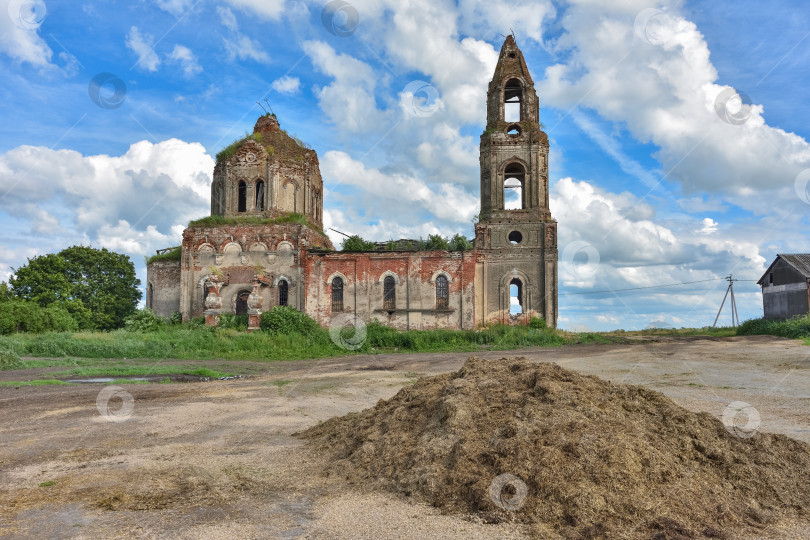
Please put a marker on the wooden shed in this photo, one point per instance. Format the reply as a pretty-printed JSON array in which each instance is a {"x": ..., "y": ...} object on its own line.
[{"x": 785, "y": 291}]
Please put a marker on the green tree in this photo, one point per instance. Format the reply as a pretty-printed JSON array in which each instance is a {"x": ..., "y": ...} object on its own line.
[
  {"x": 98, "y": 287},
  {"x": 5, "y": 293},
  {"x": 355, "y": 243}
]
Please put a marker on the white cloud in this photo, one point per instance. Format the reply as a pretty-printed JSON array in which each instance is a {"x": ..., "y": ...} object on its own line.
[
  {"x": 269, "y": 9},
  {"x": 349, "y": 100},
  {"x": 666, "y": 95},
  {"x": 186, "y": 59},
  {"x": 709, "y": 226},
  {"x": 142, "y": 46},
  {"x": 19, "y": 38},
  {"x": 632, "y": 251},
  {"x": 175, "y": 7},
  {"x": 286, "y": 85},
  {"x": 152, "y": 185},
  {"x": 239, "y": 46},
  {"x": 398, "y": 198}
]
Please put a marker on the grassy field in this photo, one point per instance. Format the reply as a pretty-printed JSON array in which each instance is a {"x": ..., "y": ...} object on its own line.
[{"x": 192, "y": 349}]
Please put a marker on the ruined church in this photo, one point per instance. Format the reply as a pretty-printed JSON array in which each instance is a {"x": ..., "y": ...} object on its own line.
[{"x": 264, "y": 245}]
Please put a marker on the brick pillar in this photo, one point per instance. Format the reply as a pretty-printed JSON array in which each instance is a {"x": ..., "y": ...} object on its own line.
[
  {"x": 213, "y": 303},
  {"x": 255, "y": 306}
]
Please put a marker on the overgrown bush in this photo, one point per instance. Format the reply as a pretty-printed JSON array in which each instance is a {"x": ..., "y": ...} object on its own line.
[
  {"x": 176, "y": 318},
  {"x": 144, "y": 320},
  {"x": 22, "y": 316},
  {"x": 795, "y": 328},
  {"x": 355, "y": 243},
  {"x": 459, "y": 243},
  {"x": 287, "y": 320},
  {"x": 537, "y": 322},
  {"x": 436, "y": 241},
  {"x": 10, "y": 360},
  {"x": 234, "y": 322}
]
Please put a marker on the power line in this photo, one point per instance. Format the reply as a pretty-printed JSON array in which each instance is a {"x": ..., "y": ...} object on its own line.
[{"x": 650, "y": 287}]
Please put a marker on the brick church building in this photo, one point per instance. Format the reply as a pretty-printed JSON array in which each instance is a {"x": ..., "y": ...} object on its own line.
[{"x": 264, "y": 246}]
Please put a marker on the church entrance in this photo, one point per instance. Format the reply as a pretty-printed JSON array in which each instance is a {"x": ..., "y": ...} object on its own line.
[{"x": 242, "y": 303}]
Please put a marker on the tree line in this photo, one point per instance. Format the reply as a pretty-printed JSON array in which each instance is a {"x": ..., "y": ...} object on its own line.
[{"x": 79, "y": 288}]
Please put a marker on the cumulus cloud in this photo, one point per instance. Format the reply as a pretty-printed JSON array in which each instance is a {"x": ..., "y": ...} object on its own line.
[
  {"x": 628, "y": 249},
  {"x": 666, "y": 90},
  {"x": 286, "y": 85},
  {"x": 137, "y": 201},
  {"x": 349, "y": 101},
  {"x": 142, "y": 45},
  {"x": 19, "y": 32}
]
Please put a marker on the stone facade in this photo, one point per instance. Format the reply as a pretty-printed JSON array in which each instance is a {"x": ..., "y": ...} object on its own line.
[
  {"x": 517, "y": 246},
  {"x": 280, "y": 256},
  {"x": 163, "y": 287}
]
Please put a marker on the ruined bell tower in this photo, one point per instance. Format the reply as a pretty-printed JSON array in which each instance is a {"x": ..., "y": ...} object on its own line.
[{"x": 516, "y": 237}]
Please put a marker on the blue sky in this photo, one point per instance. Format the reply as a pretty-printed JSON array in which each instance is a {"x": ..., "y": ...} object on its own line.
[{"x": 657, "y": 175}]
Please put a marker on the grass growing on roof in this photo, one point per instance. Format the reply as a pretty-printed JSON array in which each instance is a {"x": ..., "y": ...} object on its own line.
[{"x": 173, "y": 254}]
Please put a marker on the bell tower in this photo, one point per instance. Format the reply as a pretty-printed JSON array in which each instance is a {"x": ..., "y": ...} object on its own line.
[{"x": 515, "y": 235}]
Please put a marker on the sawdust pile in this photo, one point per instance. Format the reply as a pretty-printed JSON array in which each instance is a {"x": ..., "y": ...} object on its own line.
[{"x": 588, "y": 459}]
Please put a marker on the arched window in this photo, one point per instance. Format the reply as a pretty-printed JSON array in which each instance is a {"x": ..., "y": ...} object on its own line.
[
  {"x": 150, "y": 294},
  {"x": 260, "y": 196},
  {"x": 337, "y": 295},
  {"x": 283, "y": 289},
  {"x": 242, "y": 197},
  {"x": 512, "y": 95},
  {"x": 242, "y": 302},
  {"x": 442, "y": 293},
  {"x": 205, "y": 294},
  {"x": 389, "y": 293},
  {"x": 515, "y": 297},
  {"x": 514, "y": 176}
]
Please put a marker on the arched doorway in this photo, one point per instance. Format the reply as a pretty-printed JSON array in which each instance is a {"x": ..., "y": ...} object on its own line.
[{"x": 242, "y": 303}]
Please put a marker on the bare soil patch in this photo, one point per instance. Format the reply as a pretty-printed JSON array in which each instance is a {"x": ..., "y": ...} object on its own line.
[{"x": 218, "y": 459}]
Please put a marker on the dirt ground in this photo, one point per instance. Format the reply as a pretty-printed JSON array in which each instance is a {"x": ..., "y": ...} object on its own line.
[{"x": 219, "y": 460}]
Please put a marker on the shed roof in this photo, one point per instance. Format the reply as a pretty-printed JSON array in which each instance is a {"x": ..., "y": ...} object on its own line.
[{"x": 799, "y": 261}]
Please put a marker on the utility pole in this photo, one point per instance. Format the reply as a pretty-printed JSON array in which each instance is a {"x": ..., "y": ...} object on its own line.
[{"x": 735, "y": 318}]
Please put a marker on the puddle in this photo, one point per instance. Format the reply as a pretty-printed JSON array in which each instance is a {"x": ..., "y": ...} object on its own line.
[
  {"x": 182, "y": 377},
  {"x": 110, "y": 379}
]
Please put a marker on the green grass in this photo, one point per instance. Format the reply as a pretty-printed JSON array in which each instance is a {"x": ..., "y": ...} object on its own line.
[
  {"x": 49, "y": 483},
  {"x": 173, "y": 254},
  {"x": 281, "y": 383},
  {"x": 218, "y": 221},
  {"x": 141, "y": 371},
  {"x": 795, "y": 328},
  {"x": 39, "y": 382},
  {"x": 89, "y": 354}
]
